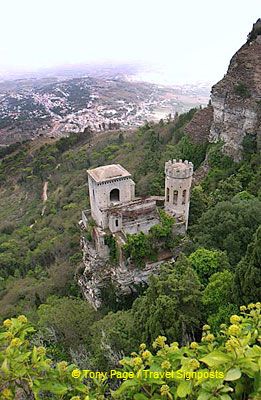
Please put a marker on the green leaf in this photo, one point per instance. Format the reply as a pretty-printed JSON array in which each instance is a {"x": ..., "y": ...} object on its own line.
[
  {"x": 203, "y": 395},
  {"x": 183, "y": 389},
  {"x": 55, "y": 388},
  {"x": 140, "y": 396},
  {"x": 34, "y": 355},
  {"x": 125, "y": 386},
  {"x": 225, "y": 397},
  {"x": 82, "y": 388},
  {"x": 216, "y": 358},
  {"x": 233, "y": 374},
  {"x": 5, "y": 367}
]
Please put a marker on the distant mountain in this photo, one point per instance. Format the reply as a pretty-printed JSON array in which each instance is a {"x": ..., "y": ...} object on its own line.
[{"x": 107, "y": 99}]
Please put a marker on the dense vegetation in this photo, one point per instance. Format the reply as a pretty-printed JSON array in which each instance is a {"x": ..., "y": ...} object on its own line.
[
  {"x": 217, "y": 271},
  {"x": 222, "y": 366}
]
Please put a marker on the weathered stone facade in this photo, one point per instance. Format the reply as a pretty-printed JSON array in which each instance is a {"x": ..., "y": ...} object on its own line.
[{"x": 177, "y": 188}]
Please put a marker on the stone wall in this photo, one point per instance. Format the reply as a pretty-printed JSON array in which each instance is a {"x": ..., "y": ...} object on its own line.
[{"x": 100, "y": 196}]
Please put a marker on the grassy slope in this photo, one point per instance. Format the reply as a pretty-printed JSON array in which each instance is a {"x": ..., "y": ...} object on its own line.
[{"x": 39, "y": 254}]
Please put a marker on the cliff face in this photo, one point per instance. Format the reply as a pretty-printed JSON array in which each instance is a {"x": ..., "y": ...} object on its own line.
[
  {"x": 198, "y": 128},
  {"x": 236, "y": 99},
  {"x": 99, "y": 273}
]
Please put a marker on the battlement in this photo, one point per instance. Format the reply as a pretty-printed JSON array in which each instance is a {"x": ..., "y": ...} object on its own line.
[{"x": 179, "y": 169}]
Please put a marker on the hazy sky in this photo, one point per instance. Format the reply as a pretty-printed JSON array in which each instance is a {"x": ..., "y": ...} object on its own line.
[{"x": 192, "y": 39}]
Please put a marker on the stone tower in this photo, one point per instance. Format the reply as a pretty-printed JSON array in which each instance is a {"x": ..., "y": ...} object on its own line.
[
  {"x": 109, "y": 186},
  {"x": 177, "y": 188}
]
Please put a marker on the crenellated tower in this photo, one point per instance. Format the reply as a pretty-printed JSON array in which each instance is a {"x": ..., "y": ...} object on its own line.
[{"x": 177, "y": 188}]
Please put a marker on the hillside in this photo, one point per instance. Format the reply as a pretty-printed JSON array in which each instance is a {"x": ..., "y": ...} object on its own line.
[
  {"x": 40, "y": 253},
  {"x": 204, "y": 302}
]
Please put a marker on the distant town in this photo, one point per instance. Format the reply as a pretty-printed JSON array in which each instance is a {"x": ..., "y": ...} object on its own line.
[{"x": 57, "y": 106}]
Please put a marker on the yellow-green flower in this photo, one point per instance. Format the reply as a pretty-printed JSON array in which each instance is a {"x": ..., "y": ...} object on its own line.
[
  {"x": 194, "y": 364},
  {"x": 75, "y": 398},
  {"x": 235, "y": 319},
  {"x": 166, "y": 365},
  {"x": 7, "y": 323},
  {"x": 164, "y": 390},
  {"x": 137, "y": 361},
  {"x": 22, "y": 318},
  {"x": 41, "y": 350},
  {"x": 134, "y": 354},
  {"x": 258, "y": 304},
  {"x": 208, "y": 338},
  {"x": 159, "y": 342},
  {"x": 16, "y": 342},
  {"x": 243, "y": 308},
  {"x": 9, "y": 335},
  {"x": 194, "y": 345},
  {"x": 234, "y": 330},
  {"x": 206, "y": 328},
  {"x": 62, "y": 365},
  {"x": 143, "y": 346},
  {"x": 231, "y": 344},
  {"x": 146, "y": 354},
  {"x": 251, "y": 305},
  {"x": 7, "y": 394}
]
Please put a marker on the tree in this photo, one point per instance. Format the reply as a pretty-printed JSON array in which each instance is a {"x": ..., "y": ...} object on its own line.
[
  {"x": 198, "y": 204},
  {"x": 207, "y": 262},
  {"x": 70, "y": 318},
  {"x": 170, "y": 305},
  {"x": 112, "y": 338},
  {"x": 247, "y": 282},
  {"x": 228, "y": 226},
  {"x": 217, "y": 299}
]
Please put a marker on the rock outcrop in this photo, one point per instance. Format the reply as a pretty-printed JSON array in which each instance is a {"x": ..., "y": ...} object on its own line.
[
  {"x": 199, "y": 127},
  {"x": 99, "y": 273},
  {"x": 236, "y": 99}
]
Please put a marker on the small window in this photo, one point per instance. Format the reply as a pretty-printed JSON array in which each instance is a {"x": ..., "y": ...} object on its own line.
[
  {"x": 175, "y": 197},
  {"x": 167, "y": 195},
  {"x": 93, "y": 192},
  {"x": 114, "y": 195},
  {"x": 184, "y": 197},
  {"x": 116, "y": 223}
]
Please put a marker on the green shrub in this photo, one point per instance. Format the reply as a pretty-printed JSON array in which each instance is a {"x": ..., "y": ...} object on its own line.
[{"x": 242, "y": 90}]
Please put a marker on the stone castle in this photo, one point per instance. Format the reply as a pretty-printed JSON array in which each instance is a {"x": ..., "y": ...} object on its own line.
[{"x": 116, "y": 211}]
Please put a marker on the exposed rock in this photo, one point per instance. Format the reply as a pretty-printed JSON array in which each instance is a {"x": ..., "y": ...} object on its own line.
[
  {"x": 199, "y": 127},
  {"x": 236, "y": 99},
  {"x": 98, "y": 273}
]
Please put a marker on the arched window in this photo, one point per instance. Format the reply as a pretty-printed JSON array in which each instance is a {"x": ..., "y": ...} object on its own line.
[
  {"x": 167, "y": 195},
  {"x": 175, "y": 197},
  {"x": 114, "y": 195},
  {"x": 184, "y": 196}
]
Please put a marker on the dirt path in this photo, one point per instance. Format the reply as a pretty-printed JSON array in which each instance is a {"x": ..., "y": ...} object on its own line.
[{"x": 44, "y": 196}]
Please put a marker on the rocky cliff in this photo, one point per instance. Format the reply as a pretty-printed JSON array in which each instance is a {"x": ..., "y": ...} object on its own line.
[{"x": 236, "y": 99}]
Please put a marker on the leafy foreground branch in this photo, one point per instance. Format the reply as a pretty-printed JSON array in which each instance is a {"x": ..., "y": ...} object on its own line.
[{"x": 226, "y": 366}]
